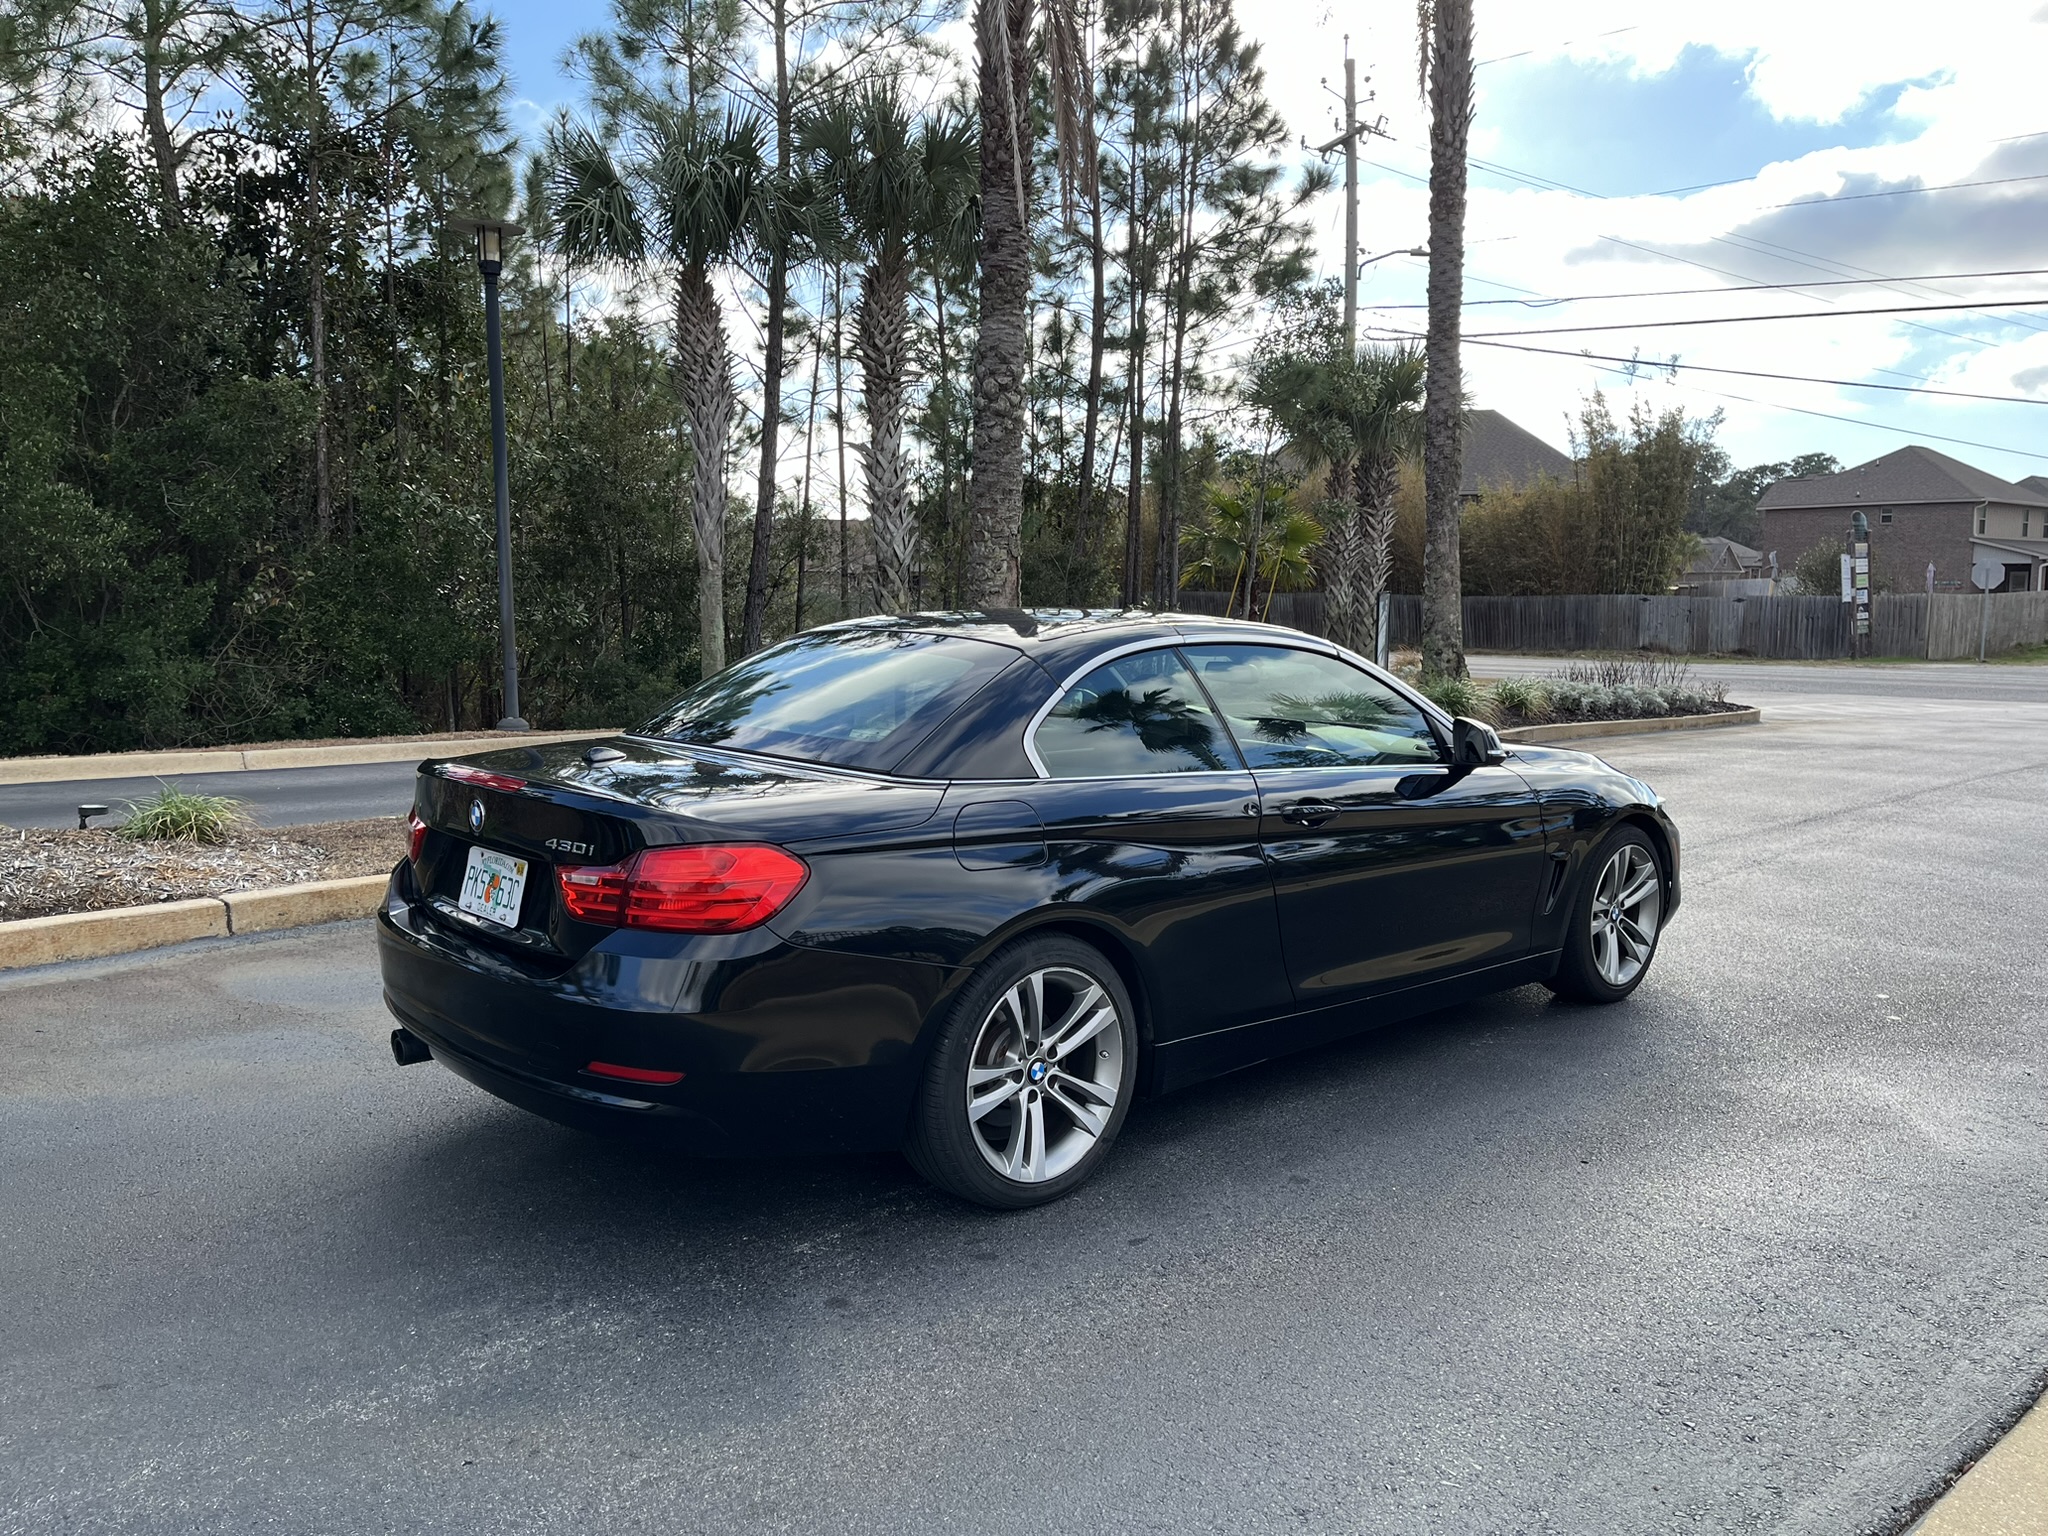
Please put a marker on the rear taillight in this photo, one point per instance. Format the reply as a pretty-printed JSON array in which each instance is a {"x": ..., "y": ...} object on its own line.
[
  {"x": 719, "y": 889},
  {"x": 483, "y": 778},
  {"x": 594, "y": 893},
  {"x": 415, "y": 835}
]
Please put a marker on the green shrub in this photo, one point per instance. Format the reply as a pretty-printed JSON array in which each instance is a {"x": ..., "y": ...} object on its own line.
[{"x": 174, "y": 815}]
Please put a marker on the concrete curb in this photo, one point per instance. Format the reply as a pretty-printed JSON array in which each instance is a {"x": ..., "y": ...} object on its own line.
[
  {"x": 1585, "y": 728},
  {"x": 2005, "y": 1493},
  {"x": 156, "y": 765},
  {"x": 122, "y": 930}
]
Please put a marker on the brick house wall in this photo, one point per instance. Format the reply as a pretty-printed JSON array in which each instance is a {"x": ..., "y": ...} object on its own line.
[{"x": 1899, "y": 550}]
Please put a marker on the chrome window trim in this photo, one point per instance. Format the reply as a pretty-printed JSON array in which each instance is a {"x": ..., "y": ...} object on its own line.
[
  {"x": 1152, "y": 643},
  {"x": 1315, "y": 645},
  {"x": 1437, "y": 720}
]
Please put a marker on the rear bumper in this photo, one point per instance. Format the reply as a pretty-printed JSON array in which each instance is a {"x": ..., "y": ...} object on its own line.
[{"x": 782, "y": 1047}]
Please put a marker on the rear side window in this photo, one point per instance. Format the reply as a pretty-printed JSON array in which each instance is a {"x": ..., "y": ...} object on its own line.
[
  {"x": 1138, "y": 715},
  {"x": 856, "y": 699},
  {"x": 1300, "y": 709}
]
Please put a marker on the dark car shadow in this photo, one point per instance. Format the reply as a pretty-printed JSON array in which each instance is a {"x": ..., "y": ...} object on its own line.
[{"x": 501, "y": 1170}]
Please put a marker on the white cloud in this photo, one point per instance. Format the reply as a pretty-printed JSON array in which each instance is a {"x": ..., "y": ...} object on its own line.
[{"x": 1808, "y": 62}]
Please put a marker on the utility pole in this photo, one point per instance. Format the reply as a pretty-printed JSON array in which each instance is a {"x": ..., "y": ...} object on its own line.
[{"x": 1348, "y": 139}]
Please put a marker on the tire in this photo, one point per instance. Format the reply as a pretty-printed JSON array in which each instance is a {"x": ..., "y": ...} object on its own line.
[
  {"x": 1610, "y": 940},
  {"x": 1011, "y": 1113}
]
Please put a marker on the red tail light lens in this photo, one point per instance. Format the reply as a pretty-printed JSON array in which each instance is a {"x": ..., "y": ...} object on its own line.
[
  {"x": 719, "y": 889},
  {"x": 594, "y": 893},
  {"x": 415, "y": 835},
  {"x": 483, "y": 778}
]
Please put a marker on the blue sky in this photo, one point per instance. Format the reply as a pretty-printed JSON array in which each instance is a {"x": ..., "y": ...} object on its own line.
[{"x": 1785, "y": 100}]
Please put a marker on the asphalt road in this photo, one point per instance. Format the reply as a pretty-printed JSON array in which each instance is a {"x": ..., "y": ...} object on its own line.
[
  {"x": 275, "y": 797},
  {"x": 1758, "y": 1251}
]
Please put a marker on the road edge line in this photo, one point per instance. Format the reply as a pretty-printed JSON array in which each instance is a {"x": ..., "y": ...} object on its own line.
[{"x": 2004, "y": 1492}]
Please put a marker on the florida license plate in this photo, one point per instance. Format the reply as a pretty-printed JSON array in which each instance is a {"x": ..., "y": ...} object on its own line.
[{"x": 492, "y": 886}]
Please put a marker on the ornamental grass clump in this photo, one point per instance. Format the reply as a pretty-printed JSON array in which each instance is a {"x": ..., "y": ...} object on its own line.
[
  {"x": 1520, "y": 701},
  {"x": 1456, "y": 696},
  {"x": 173, "y": 815}
]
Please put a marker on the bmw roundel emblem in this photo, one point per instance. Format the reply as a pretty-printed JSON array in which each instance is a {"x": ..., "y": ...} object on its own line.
[
  {"x": 476, "y": 815},
  {"x": 1037, "y": 1072}
]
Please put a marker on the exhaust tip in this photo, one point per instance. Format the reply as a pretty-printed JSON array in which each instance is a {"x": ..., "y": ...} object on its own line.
[{"x": 408, "y": 1049}]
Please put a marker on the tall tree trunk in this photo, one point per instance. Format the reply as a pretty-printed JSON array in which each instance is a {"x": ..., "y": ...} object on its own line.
[
  {"x": 803, "y": 538},
  {"x": 881, "y": 333},
  {"x": 1134, "y": 495},
  {"x": 155, "y": 117},
  {"x": 316, "y": 297},
  {"x": 839, "y": 427},
  {"x": 1091, "y": 419},
  {"x": 1342, "y": 557},
  {"x": 949, "y": 536},
  {"x": 704, "y": 366},
  {"x": 996, "y": 493},
  {"x": 1379, "y": 480},
  {"x": 1443, "y": 456},
  {"x": 752, "y": 616}
]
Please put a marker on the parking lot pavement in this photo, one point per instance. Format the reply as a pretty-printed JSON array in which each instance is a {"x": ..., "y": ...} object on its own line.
[{"x": 1759, "y": 1250}]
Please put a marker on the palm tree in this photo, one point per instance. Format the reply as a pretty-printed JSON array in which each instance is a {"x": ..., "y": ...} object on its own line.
[
  {"x": 697, "y": 193},
  {"x": 904, "y": 189},
  {"x": 1446, "y": 70},
  {"x": 1357, "y": 417},
  {"x": 1386, "y": 426},
  {"x": 1220, "y": 550},
  {"x": 1003, "y": 37}
]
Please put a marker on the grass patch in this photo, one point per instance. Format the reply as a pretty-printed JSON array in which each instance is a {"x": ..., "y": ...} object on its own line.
[{"x": 173, "y": 815}]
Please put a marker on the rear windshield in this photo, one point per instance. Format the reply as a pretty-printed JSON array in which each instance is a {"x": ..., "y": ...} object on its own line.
[{"x": 854, "y": 698}]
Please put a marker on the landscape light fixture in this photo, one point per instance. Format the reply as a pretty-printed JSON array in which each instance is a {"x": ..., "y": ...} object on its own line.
[
  {"x": 87, "y": 812},
  {"x": 490, "y": 236}
]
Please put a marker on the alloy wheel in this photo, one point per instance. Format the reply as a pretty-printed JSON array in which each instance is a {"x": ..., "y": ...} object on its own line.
[
  {"x": 1628, "y": 902},
  {"x": 1045, "y": 1074}
]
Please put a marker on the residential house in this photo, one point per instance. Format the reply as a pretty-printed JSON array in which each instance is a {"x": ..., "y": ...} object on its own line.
[
  {"x": 1723, "y": 568},
  {"x": 1927, "y": 511},
  {"x": 1501, "y": 456}
]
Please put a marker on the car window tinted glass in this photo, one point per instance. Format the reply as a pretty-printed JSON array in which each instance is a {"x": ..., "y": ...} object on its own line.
[
  {"x": 1141, "y": 714},
  {"x": 858, "y": 699},
  {"x": 1299, "y": 709}
]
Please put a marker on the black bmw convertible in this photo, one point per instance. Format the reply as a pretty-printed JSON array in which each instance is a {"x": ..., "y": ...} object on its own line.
[{"x": 969, "y": 883}]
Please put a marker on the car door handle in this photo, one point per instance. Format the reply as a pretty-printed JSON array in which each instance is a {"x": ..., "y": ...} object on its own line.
[{"x": 1308, "y": 813}]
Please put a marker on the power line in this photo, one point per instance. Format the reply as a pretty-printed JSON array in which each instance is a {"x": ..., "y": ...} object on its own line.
[
  {"x": 1541, "y": 302},
  {"x": 1800, "y": 410},
  {"x": 1805, "y": 314},
  {"x": 1946, "y": 186},
  {"x": 1744, "y": 373}
]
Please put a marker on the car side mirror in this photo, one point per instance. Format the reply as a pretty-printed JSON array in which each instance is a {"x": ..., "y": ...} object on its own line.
[{"x": 1474, "y": 744}]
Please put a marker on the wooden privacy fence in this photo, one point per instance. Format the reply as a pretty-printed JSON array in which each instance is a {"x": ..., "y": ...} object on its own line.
[{"x": 1941, "y": 627}]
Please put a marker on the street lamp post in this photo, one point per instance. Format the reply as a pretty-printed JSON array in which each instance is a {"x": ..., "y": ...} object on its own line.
[{"x": 490, "y": 235}]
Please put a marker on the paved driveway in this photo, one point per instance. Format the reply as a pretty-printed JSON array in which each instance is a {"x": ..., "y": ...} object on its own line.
[{"x": 1759, "y": 1251}]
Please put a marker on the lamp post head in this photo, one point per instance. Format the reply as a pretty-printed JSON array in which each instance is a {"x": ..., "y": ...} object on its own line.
[
  {"x": 1859, "y": 525},
  {"x": 490, "y": 236}
]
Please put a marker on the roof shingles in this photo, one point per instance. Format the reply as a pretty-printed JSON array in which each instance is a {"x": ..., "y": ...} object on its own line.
[{"x": 1906, "y": 475}]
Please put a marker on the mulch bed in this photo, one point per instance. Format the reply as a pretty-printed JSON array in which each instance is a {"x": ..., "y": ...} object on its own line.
[{"x": 44, "y": 872}]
